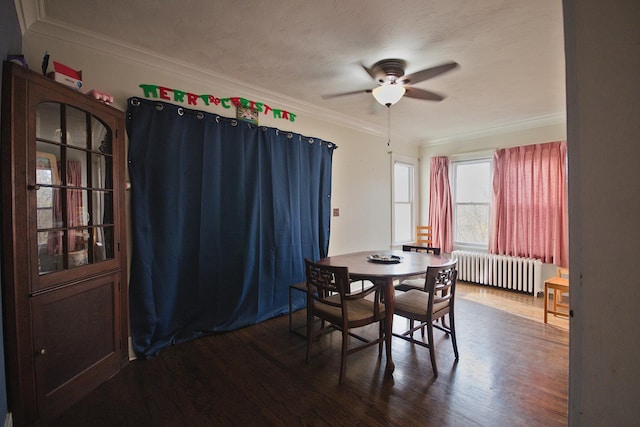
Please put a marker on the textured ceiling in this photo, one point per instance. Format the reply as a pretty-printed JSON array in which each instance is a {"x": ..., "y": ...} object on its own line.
[{"x": 511, "y": 52}]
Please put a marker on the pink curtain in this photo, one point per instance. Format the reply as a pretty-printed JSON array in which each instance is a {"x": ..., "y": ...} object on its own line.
[
  {"x": 440, "y": 208},
  {"x": 529, "y": 215}
]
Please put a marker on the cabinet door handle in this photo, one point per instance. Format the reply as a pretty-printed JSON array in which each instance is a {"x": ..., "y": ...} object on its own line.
[
  {"x": 34, "y": 187},
  {"x": 43, "y": 351}
]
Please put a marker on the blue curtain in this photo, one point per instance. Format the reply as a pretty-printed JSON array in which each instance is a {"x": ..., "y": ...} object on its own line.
[{"x": 223, "y": 215}]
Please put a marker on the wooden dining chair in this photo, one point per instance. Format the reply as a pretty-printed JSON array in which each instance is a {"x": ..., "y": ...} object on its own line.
[
  {"x": 424, "y": 236},
  {"x": 330, "y": 299},
  {"x": 418, "y": 281},
  {"x": 426, "y": 306}
]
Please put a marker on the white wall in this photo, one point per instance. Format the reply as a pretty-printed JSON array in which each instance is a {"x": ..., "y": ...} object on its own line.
[
  {"x": 602, "y": 42},
  {"x": 361, "y": 165}
]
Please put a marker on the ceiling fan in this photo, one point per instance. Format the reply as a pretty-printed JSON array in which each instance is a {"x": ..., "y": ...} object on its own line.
[{"x": 393, "y": 84}]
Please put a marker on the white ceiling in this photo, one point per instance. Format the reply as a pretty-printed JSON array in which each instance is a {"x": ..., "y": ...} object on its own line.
[{"x": 511, "y": 53}]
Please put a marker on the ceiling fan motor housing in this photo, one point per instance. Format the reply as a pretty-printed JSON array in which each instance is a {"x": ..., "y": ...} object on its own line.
[{"x": 388, "y": 70}]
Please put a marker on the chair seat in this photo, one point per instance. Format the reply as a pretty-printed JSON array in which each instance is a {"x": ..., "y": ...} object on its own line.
[
  {"x": 409, "y": 284},
  {"x": 359, "y": 310},
  {"x": 415, "y": 302}
]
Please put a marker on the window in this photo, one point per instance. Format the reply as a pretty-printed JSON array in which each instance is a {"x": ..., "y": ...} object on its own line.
[
  {"x": 471, "y": 202},
  {"x": 404, "y": 206}
]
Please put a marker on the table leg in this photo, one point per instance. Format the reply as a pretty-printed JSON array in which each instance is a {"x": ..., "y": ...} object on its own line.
[
  {"x": 546, "y": 301},
  {"x": 389, "y": 301}
]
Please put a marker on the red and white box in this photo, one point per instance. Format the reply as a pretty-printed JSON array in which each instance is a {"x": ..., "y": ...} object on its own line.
[{"x": 66, "y": 75}]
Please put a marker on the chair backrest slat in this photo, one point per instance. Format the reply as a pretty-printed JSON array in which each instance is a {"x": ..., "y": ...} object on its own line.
[
  {"x": 424, "y": 235},
  {"x": 440, "y": 283}
]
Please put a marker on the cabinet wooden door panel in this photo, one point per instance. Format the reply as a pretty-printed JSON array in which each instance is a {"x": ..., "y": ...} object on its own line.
[
  {"x": 64, "y": 277},
  {"x": 75, "y": 330}
]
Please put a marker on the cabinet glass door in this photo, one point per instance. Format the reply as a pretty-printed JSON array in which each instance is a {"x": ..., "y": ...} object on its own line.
[{"x": 74, "y": 183}]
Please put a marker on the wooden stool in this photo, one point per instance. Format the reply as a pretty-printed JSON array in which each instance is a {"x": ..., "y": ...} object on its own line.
[{"x": 558, "y": 285}]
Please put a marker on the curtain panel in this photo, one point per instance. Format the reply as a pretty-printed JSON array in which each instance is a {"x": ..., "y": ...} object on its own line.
[
  {"x": 223, "y": 215},
  {"x": 440, "y": 205},
  {"x": 529, "y": 203}
]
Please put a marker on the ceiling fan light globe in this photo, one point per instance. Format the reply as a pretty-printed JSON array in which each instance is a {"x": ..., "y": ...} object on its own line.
[{"x": 388, "y": 94}]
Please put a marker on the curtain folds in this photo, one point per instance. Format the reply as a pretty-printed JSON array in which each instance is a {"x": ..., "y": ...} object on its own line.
[
  {"x": 440, "y": 205},
  {"x": 223, "y": 215},
  {"x": 529, "y": 203}
]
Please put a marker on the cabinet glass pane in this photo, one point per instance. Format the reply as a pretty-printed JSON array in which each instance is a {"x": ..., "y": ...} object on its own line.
[
  {"x": 100, "y": 137},
  {"x": 77, "y": 208},
  {"x": 78, "y": 245},
  {"x": 101, "y": 167},
  {"x": 47, "y": 158},
  {"x": 103, "y": 243},
  {"x": 76, "y": 168},
  {"x": 102, "y": 208},
  {"x": 76, "y": 127},
  {"x": 49, "y": 251},
  {"x": 45, "y": 207},
  {"x": 48, "y": 122}
]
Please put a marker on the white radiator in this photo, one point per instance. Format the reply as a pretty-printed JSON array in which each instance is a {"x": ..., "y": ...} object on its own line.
[{"x": 508, "y": 272}]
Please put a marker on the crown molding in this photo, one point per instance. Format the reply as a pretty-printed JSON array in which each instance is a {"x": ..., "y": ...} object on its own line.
[
  {"x": 29, "y": 12},
  {"x": 535, "y": 123}
]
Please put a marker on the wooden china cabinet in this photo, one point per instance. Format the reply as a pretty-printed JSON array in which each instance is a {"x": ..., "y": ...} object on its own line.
[{"x": 63, "y": 244}]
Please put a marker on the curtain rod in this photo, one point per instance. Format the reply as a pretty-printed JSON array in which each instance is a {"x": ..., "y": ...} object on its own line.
[{"x": 234, "y": 122}]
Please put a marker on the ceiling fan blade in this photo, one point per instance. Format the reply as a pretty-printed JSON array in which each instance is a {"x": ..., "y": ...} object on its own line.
[
  {"x": 428, "y": 73},
  {"x": 369, "y": 71},
  {"x": 413, "y": 92},
  {"x": 335, "y": 95}
]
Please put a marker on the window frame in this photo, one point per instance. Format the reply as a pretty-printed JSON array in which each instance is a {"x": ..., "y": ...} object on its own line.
[
  {"x": 467, "y": 160},
  {"x": 413, "y": 192}
]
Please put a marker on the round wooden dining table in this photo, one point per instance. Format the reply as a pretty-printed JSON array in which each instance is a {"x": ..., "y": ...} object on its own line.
[{"x": 374, "y": 266}]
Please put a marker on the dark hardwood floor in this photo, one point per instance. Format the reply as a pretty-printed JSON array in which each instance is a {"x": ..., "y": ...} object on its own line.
[{"x": 513, "y": 371}]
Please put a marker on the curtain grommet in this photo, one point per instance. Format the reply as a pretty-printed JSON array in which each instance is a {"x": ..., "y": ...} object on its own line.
[
  {"x": 200, "y": 115},
  {"x": 159, "y": 107},
  {"x": 217, "y": 119},
  {"x": 135, "y": 102},
  {"x": 180, "y": 111},
  {"x": 234, "y": 122}
]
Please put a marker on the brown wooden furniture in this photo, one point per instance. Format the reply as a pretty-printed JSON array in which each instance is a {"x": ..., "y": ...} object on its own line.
[
  {"x": 426, "y": 306},
  {"x": 416, "y": 282},
  {"x": 559, "y": 285},
  {"x": 558, "y": 295},
  {"x": 330, "y": 299},
  {"x": 64, "y": 244},
  {"x": 421, "y": 248},
  {"x": 424, "y": 236},
  {"x": 360, "y": 267}
]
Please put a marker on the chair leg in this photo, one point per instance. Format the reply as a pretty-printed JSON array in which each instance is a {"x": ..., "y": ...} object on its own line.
[
  {"x": 343, "y": 357},
  {"x": 310, "y": 332},
  {"x": 432, "y": 350},
  {"x": 381, "y": 334},
  {"x": 453, "y": 334}
]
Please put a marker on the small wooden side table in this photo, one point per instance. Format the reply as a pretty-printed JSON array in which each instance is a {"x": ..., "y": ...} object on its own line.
[{"x": 557, "y": 285}]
